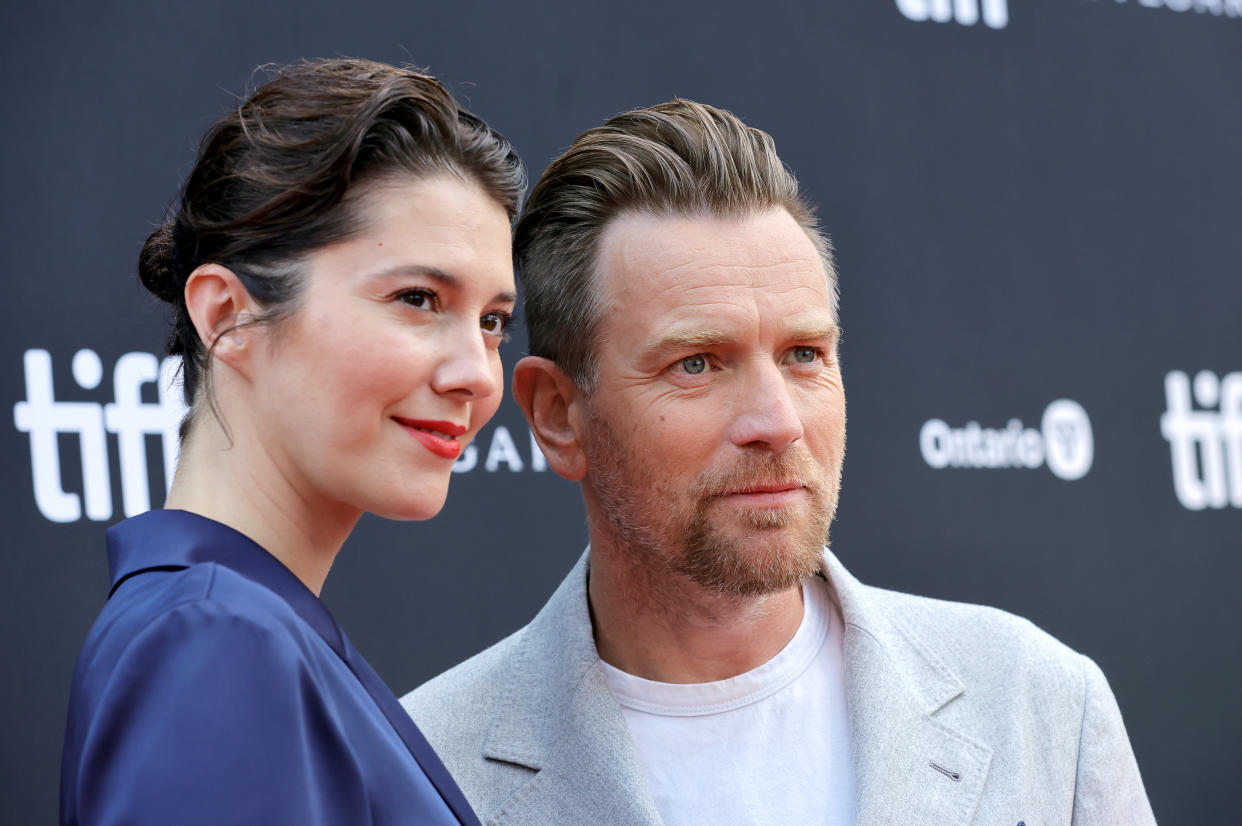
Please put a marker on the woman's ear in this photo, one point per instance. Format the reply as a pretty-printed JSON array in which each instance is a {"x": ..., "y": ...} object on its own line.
[
  {"x": 549, "y": 398},
  {"x": 217, "y": 302}
]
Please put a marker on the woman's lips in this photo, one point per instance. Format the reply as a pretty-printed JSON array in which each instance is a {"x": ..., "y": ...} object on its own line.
[{"x": 438, "y": 437}]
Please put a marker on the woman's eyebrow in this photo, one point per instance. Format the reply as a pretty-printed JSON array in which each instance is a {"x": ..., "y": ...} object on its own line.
[{"x": 440, "y": 276}]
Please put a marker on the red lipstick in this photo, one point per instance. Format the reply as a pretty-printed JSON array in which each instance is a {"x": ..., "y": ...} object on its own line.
[{"x": 438, "y": 437}]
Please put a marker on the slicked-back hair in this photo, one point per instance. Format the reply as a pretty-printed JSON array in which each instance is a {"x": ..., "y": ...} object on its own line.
[
  {"x": 676, "y": 158},
  {"x": 283, "y": 174}
]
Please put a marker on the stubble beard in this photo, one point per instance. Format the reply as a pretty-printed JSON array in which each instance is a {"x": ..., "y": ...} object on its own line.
[{"x": 769, "y": 550}]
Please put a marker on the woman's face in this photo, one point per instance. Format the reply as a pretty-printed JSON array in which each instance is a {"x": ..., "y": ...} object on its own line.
[{"x": 390, "y": 363}]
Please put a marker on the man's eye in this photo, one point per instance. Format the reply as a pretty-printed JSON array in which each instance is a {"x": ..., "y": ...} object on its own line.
[
  {"x": 495, "y": 323},
  {"x": 694, "y": 364},
  {"x": 805, "y": 355},
  {"x": 418, "y": 298}
]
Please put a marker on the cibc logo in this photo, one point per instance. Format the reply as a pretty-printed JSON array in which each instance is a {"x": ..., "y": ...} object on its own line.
[
  {"x": 127, "y": 416},
  {"x": 995, "y": 13},
  {"x": 1064, "y": 442},
  {"x": 1205, "y": 444}
]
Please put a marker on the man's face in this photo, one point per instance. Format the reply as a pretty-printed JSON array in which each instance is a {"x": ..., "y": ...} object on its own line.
[{"x": 716, "y": 431}]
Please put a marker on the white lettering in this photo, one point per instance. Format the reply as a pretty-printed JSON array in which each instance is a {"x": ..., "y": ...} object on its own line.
[
  {"x": 132, "y": 421},
  {"x": 996, "y": 13},
  {"x": 916, "y": 10},
  {"x": 974, "y": 446},
  {"x": 467, "y": 461},
  {"x": 1229, "y": 8},
  {"x": 1231, "y": 431},
  {"x": 1031, "y": 448},
  {"x": 45, "y": 419},
  {"x": 1064, "y": 441},
  {"x": 502, "y": 450},
  {"x": 1205, "y": 445},
  {"x": 964, "y": 12},
  {"x": 934, "y": 443}
]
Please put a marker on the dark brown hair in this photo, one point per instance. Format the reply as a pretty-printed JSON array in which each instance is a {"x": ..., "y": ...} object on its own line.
[
  {"x": 676, "y": 158},
  {"x": 279, "y": 176}
]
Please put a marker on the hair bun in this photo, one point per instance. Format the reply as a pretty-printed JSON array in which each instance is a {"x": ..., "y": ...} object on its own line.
[{"x": 157, "y": 264}]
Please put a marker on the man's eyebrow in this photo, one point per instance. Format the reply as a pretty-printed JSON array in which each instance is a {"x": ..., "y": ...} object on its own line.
[
  {"x": 814, "y": 331},
  {"x": 440, "y": 276},
  {"x": 690, "y": 340},
  {"x": 708, "y": 338}
]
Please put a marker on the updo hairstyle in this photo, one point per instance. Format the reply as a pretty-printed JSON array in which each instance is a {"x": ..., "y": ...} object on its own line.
[{"x": 274, "y": 180}]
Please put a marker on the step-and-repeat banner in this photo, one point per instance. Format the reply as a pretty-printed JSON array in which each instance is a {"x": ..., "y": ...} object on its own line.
[{"x": 1037, "y": 206}]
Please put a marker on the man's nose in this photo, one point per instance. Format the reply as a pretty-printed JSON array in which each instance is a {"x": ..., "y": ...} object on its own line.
[
  {"x": 765, "y": 413},
  {"x": 467, "y": 366}
]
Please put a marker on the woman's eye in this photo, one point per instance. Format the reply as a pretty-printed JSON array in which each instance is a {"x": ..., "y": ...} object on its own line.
[
  {"x": 495, "y": 323},
  {"x": 805, "y": 355},
  {"x": 419, "y": 299},
  {"x": 694, "y": 364}
]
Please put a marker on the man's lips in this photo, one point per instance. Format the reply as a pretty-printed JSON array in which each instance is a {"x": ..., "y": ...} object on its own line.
[
  {"x": 770, "y": 495},
  {"x": 437, "y": 436}
]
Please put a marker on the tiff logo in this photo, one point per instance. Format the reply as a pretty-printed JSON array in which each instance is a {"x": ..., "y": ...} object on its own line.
[
  {"x": 127, "y": 416},
  {"x": 965, "y": 12},
  {"x": 1206, "y": 444}
]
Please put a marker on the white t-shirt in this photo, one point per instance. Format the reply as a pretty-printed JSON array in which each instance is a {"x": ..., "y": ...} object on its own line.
[{"x": 771, "y": 746}]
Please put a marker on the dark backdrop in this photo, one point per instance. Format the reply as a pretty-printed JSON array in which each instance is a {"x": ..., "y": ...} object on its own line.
[{"x": 1034, "y": 204}]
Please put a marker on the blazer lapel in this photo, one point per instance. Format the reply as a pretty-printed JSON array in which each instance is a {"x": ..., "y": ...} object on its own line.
[
  {"x": 414, "y": 740},
  {"x": 909, "y": 767},
  {"x": 174, "y": 539},
  {"x": 559, "y": 718}
]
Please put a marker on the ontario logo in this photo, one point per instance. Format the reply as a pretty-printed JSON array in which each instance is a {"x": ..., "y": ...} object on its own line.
[{"x": 1063, "y": 441}]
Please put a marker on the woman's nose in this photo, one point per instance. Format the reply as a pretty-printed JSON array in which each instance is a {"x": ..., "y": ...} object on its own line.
[{"x": 468, "y": 367}]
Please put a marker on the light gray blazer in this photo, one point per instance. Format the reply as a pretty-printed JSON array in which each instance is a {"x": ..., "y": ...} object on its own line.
[{"x": 1021, "y": 727}]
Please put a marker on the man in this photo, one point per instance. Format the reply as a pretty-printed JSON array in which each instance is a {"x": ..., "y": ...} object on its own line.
[{"x": 708, "y": 660}]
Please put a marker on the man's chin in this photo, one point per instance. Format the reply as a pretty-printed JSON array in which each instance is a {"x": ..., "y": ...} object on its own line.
[{"x": 751, "y": 563}]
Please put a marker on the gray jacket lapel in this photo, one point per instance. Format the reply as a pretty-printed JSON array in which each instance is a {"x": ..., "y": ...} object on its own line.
[
  {"x": 559, "y": 718},
  {"x": 908, "y": 766}
]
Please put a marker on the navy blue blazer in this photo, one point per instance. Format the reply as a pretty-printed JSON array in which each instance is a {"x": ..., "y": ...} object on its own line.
[{"x": 216, "y": 688}]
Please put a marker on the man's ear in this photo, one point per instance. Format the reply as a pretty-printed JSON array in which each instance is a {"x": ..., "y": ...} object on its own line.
[
  {"x": 549, "y": 398},
  {"x": 217, "y": 302}
]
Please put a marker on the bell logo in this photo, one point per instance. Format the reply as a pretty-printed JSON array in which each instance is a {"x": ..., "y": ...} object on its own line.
[
  {"x": 1205, "y": 444},
  {"x": 995, "y": 13},
  {"x": 127, "y": 416}
]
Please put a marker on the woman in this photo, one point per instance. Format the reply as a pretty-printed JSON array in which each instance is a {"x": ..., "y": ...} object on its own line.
[{"x": 340, "y": 269}]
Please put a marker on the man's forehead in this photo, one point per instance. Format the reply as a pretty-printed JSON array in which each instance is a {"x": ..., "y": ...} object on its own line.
[
  {"x": 666, "y": 257},
  {"x": 678, "y": 283}
]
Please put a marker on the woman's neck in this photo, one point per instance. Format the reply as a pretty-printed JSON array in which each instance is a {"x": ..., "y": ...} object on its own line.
[{"x": 234, "y": 480}]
